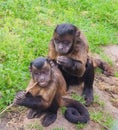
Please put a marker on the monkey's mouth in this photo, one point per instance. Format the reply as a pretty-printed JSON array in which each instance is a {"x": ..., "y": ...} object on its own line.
[
  {"x": 62, "y": 52},
  {"x": 42, "y": 84}
]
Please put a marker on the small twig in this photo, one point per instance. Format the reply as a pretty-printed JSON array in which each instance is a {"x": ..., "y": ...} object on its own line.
[
  {"x": 111, "y": 94},
  {"x": 31, "y": 87},
  {"x": 6, "y": 108}
]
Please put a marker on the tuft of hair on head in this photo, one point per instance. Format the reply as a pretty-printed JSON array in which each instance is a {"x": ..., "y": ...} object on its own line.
[
  {"x": 66, "y": 28},
  {"x": 38, "y": 62}
]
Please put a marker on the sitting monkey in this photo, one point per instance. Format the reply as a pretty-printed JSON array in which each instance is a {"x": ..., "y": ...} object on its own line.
[
  {"x": 45, "y": 93},
  {"x": 69, "y": 48}
]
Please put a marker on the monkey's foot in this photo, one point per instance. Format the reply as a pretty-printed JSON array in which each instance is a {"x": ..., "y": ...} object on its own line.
[
  {"x": 34, "y": 114},
  {"x": 88, "y": 96},
  {"x": 48, "y": 119}
]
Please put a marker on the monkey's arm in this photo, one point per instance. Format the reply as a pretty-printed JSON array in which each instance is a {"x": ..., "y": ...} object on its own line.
[
  {"x": 74, "y": 67},
  {"x": 42, "y": 101},
  {"x": 27, "y": 100},
  {"x": 75, "y": 62}
]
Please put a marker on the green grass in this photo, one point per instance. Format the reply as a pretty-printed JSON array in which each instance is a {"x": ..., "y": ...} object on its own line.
[
  {"x": 34, "y": 126},
  {"x": 78, "y": 98},
  {"x": 98, "y": 101},
  {"x": 26, "y": 27},
  {"x": 103, "y": 119},
  {"x": 58, "y": 129},
  {"x": 99, "y": 115}
]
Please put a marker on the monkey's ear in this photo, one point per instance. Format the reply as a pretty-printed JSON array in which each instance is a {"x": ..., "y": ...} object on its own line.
[
  {"x": 56, "y": 28},
  {"x": 77, "y": 34},
  {"x": 30, "y": 69}
]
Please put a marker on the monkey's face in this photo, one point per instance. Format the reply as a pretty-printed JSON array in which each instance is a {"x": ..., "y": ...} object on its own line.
[
  {"x": 42, "y": 75},
  {"x": 63, "y": 44}
]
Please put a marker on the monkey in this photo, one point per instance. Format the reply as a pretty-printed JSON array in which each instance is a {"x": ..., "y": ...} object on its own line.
[
  {"x": 69, "y": 48},
  {"x": 46, "y": 93}
]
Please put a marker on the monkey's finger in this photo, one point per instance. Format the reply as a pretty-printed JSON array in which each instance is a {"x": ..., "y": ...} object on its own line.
[
  {"x": 20, "y": 94},
  {"x": 60, "y": 62},
  {"x": 62, "y": 58},
  {"x": 16, "y": 102},
  {"x": 52, "y": 64}
]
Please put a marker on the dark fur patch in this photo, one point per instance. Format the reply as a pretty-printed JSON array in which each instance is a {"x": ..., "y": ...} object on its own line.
[
  {"x": 76, "y": 112},
  {"x": 48, "y": 119},
  {"x": 65, "y": 28},
  {"x": 88, "y": 83},
  {"x": 72, "y": 115},
  {"x": 38, "y": 63}
]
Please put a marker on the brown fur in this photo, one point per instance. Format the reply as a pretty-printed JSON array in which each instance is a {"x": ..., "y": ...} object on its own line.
[
  {"x": 80, "y": 52},
  {"x": 50, "y": 97},
  {"x": 56, "y": 89}
]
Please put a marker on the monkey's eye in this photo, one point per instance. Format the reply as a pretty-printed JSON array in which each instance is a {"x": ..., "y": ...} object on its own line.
[
  {"x": 36, "y": 73},
  {"x": 57, "y": 41},
  {"x": 44, "y": 72}
]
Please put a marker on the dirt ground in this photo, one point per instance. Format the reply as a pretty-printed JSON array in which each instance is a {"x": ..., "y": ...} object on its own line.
[{"x": 106, "y": 88}]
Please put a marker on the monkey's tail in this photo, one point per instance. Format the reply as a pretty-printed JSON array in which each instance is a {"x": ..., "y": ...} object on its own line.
[
  {"x": 104, "y": 66},
  {"x": 75, "y": 112}
]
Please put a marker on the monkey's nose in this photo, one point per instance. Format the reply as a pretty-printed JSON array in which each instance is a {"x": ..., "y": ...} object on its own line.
[{"x": 42, "y": 79}]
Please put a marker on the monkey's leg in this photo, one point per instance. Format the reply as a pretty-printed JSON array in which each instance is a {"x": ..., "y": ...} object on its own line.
[
  {"x": 88, "y": 83},
  {"x": 51, "y": 114},
  {"x": 49, "y": 118}
]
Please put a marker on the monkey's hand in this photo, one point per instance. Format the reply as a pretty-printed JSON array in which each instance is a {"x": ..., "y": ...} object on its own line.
[
  {"x": 53, "y": 63},
  {"x": 19, "y": 97},
  {"x": 65, "y": 61}
]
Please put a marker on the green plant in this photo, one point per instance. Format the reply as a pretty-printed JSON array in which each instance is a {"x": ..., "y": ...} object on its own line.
[
  {"x": 63, "y": 109},
  {"x": 104, "y": 119},
  {"x": 98, "y": 101},
  {"x": 58, "y": 129},
  {"x": 34, "y": 126},
  {"x": 78, "y": 98}
]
